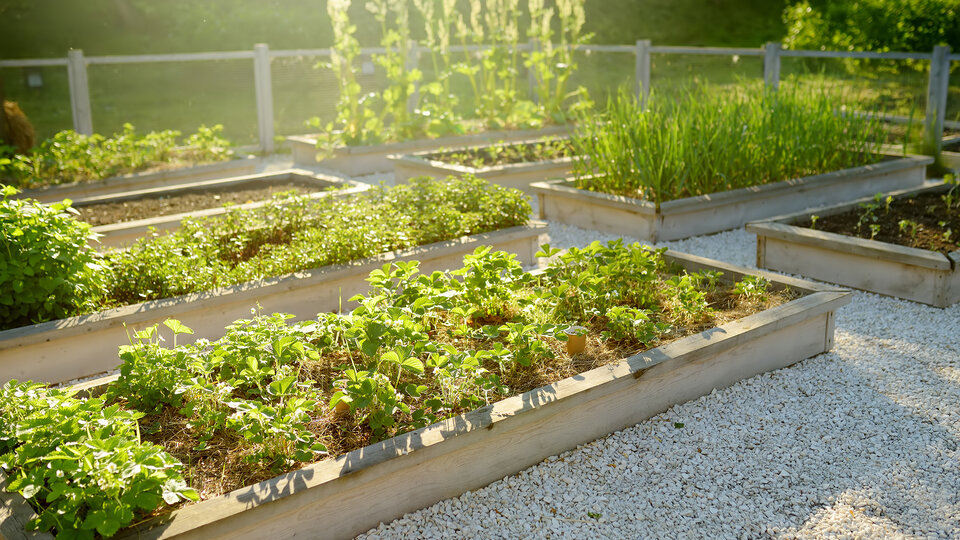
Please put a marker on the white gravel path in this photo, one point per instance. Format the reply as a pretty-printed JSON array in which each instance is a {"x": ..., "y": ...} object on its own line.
[{"x": 861, "y": 442}]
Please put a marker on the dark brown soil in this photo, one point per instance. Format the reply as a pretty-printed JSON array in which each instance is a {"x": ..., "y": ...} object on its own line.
[
  {"x": 927, "y": 222},
  {"x": 117, "y": 212},
  {"x": 505, "y": 154}
]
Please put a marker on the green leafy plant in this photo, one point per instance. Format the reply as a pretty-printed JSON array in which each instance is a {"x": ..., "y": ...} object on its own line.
[
  {"x": 910, "y": 227},
  {"x": 489, "y": 32},
  {"x": 552, "y": 65},
  {"x": 704, "y": 140},
  {"x": 752, "y": 288},
  {"x": 951, "y": 199},
  {"x": 73, "y": 157},
  {"x": 869, "y": 212},
  {"x": 246, "y": 382},
  {"x": 48, "y": 269},
  {"x": 80, "y": 463}
]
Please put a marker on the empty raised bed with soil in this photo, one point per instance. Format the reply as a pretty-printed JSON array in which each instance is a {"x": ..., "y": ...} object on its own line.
[
  {"x": 896, "y": 261},
  {"x": 357, "y": 161},
  {"x": 516, "y": 165}
]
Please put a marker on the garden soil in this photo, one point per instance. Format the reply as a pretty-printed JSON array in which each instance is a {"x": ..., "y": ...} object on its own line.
[
  {"x": 938, "y": 228},
  {"x": 117, "y": 212}
]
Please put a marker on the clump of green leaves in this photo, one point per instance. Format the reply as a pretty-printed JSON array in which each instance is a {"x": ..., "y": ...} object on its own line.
[
  {"x": 752, "y": 288},
  {"x": 69, "y": 156},
  {"x": 246, "y": 383},
  {"x": 704, "y": 140},
  {"x": 80, "y": 463},
  {"x": 872, "y": 25},
  {"x": 48, "y": 270}
]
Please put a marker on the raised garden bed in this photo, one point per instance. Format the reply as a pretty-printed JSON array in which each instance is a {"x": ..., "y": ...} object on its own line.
[
  {"x": 245, "y": 164},
  {"x": 162, "y": 209},
  {"x": 349, "y": 494},
  {"x": 363, "y": 160},
  {"x": 560, "y": 201},
  {"x": 515, "y": 165},
  {"x": 75, "y": 347},
  {"x": 950, "y": 154},
  {"x": 788, "y": 244}
]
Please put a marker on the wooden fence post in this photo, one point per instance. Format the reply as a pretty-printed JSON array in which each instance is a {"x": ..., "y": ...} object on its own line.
[
  {"x": 264, "y": 89},
  {"x": 79, "y": 92},
  {"x": 771, "y": 65},
  {"x": 937, "y": 99},
  {"x": 642, "y": 71}
]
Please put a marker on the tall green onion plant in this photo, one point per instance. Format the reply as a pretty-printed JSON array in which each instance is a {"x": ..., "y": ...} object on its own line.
[{"x": 705, "y": 140}]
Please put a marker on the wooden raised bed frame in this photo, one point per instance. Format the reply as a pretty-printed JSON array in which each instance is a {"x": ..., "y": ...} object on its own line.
[
  {"x": 245, "y": 164},
  {"x": 67, "y": 349},
  {"x": 124, "y": 233},
  {"x": 342, "y": 497},
  {"x": 682, "y": 218},
  {"x": 915, "y": 274},
  {"x": 363, "y": 160},
  {"x": 513, "y": 175}
]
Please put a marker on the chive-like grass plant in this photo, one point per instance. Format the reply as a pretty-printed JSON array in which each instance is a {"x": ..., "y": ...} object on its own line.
[{"x": 704, "y": 140}]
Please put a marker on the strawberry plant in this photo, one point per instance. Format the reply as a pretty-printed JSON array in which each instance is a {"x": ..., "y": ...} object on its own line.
[{"x": 80, "y": 463}]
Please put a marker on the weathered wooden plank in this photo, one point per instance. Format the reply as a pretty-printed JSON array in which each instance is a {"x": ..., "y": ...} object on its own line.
[
  {"x": 870, "y": 249},
  {"x": 369, "y": 159},
  {"x": 15, "y": 513},
  {"x": 835, "y": 262},
  {"x": 119, "y": 184}
]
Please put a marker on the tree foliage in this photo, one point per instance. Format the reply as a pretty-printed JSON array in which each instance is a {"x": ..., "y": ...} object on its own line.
[{"x": 872, "y": 25}]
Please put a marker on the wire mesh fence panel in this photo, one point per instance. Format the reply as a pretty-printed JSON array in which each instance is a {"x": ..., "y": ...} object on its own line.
[
  {"x": 302, "y": 90},
  {"x": 175, "y": 95},
  {"x": 953, "y": 94},
  {"x": 672, "y": 72},
  {"x": 305, "y": 88},
  {"x": 602, "y": 73},
  {"x": 896, "y": 87},
  {"x": 885, "y": 87},
  {"x": 43, "y": 93}
]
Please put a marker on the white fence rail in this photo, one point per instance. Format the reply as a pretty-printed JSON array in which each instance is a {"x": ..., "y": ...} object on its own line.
[{"x": 772, "y": 54}]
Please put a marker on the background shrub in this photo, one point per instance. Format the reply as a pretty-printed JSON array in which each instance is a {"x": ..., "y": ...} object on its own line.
[{"x": 873, "y": 25}]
